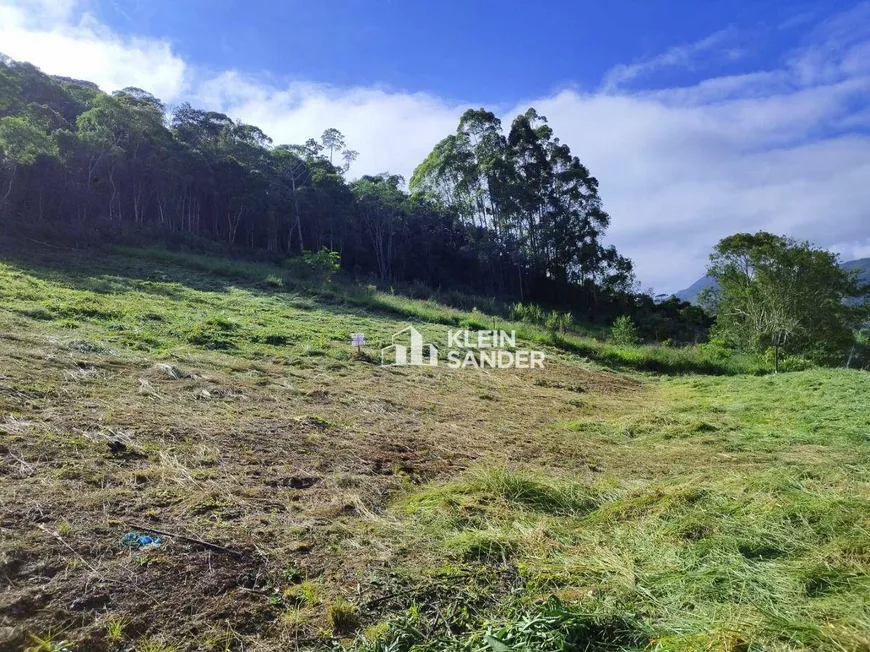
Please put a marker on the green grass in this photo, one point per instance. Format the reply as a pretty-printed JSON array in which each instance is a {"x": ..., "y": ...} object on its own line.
[
  {"x": 122, "y": 303},
  {"x": 738, "y": 519},
  {"x": 476, "y": 313},
  {"x": 694, "y": 506},
  {"x": 115, "y": 629}
]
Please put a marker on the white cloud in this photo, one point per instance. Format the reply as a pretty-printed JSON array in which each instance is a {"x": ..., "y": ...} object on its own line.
[
  {"x": 677, "y": 56},
  {"x": 678, "y": 178},
  {"x": 853, "y": 250},
  {"x": 393, "y": 131},
  {"x": 62, "y": 38},
  {"x": 784, "y": 149},
  {"x": 839, "y": 48}
]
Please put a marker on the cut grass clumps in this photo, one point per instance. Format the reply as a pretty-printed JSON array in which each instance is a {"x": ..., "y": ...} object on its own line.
[
  {"x": 438, "y": 309},
  {"x": 492, "y": 545},
  {"x": 90, "y": 308},
  {"x": 556, "y": 626},
  {"x": 164, "y": 370},
  {"x": 502, "y": 489},
  {"x": 38, "y": 312},
  {"x": 549, "y": 626},
  {"x": 343, "y": 617},
  {"x": 304, "y": 594},
  {"x": 494, "y": 513},
  {"x": 216, "y": 333},
  {"x": 273, "y": 339},
  {"x": 263, "y": 273},
  {"x": 753, "y": 560},
  {"x": 530, "y": 493}
]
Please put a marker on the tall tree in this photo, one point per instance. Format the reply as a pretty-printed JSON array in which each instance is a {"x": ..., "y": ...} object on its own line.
[
  {"x": 514, "y": 215},
  {"x": 333, "y": 141},
  {"x": 779, "y": 294},
  {"x": 381, "y": 204},
  {"x": 527, "y": 190}
]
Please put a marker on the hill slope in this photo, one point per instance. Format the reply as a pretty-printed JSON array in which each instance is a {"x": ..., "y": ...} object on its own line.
[
  {"x": 692, "y": 292},
  {"x": 863, "y": 267},
  {"x": 341, "y": 502}
]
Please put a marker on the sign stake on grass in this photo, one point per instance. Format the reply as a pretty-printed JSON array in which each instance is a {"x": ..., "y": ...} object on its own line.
[{"x": 358, "y": 340}]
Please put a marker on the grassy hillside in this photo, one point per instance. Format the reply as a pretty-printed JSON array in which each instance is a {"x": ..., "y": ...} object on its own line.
[{"x": 593, "y": 504}]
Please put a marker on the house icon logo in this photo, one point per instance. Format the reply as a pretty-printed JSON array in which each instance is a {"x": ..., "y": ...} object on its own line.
[{"x": 414, "y": 353}]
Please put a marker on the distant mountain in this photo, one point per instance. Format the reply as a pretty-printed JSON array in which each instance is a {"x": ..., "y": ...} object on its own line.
[
  {"x": 863, "y": 267},
  {"x": 691, "y": 293}
]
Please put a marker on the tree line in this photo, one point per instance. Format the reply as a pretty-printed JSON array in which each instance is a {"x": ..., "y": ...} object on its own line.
[
  {"x": 507, "y": 212},
  {"x": 502, "y": 213},
  {"x": 488, "y": 212}
]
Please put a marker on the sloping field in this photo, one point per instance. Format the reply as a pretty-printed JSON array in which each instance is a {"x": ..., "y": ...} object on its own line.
[{"x": 315, "y": 499}]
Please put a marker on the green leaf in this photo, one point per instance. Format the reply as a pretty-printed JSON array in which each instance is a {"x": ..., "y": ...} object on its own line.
[{"x": 496, "y": 645}]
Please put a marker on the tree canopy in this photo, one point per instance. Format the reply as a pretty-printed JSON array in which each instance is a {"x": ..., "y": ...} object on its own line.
[
  {"x": 777, "y": 294},
  {"x": 515, "y": 215},
  {"x": 533, "y": 198}
]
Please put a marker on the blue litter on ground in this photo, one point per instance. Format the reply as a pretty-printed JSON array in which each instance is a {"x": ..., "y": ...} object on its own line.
[{"x": 140, "y": 540}]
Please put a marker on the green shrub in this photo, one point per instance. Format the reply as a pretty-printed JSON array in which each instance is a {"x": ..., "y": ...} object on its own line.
[
  {"x": 624, "y": 331},
  {"x": 527, "y": 312},
  {"x": 787, "y": 362},
  {"x": 274, "y": 281},
  {"x": 551, "y": 322},
  {"x": 319, "y": 267},
  {"x": 558, "y": 322},
  {"x": 534, "y": 314}
]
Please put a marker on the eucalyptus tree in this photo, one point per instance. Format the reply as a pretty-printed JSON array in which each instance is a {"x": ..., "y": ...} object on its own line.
[
  {"x": 528, "y": 191},
  {"x": 291, "y": 172},
  {"x": 380, "y": 206},
  {"x": 513, "y": 214},
  {"x": 333, "y": 141},
  {"x": 22, "y": 146}
]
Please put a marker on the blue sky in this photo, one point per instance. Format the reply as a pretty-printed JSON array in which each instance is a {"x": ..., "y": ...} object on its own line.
[
  {"x": 492, "y": 52},
  {"x": 699, "y": 118}
]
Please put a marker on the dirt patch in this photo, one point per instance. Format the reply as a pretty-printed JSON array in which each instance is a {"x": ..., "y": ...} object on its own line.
[{"x": 282, "y": 470}]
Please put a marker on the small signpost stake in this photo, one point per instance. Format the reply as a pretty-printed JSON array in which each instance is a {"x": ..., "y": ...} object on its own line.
[{"x": 358, "y": 340}]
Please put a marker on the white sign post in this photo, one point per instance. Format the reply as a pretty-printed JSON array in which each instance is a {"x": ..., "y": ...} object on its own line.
[{"x": 358, "y": 340}]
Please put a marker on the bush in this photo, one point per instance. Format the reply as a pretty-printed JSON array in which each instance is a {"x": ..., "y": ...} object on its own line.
[
  {"x": 559, "y": 322},
  {"x": 320, "y": 266},
  {"x": 274, "y": 281},
  {"x": 624, "y": 331},
  {"x": 787, "y": 362},
  {"x": 528, "y": 312}
]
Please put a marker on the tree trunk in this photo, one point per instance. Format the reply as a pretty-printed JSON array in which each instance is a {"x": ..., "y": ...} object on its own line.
[
  {"x": 5, "y": 199},
  {"x": 298, "y": 217},
  {"x": 776, "y": 357}
]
